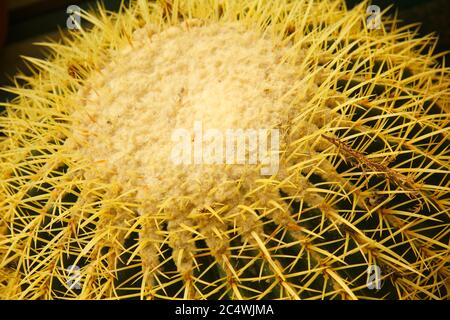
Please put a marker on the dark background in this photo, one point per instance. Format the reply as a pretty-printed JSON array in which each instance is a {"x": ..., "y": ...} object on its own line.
[{"x": 37, "y": 20}]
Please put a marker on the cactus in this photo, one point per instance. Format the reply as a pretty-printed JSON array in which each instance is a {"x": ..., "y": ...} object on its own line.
[{"x": 92, "y": 207}]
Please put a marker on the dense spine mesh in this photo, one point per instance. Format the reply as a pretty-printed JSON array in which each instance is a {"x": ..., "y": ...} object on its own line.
[{"x": 363, "y": 179}]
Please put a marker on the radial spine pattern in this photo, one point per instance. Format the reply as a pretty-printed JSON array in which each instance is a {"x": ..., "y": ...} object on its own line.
[{"x": 92, "y": 207}]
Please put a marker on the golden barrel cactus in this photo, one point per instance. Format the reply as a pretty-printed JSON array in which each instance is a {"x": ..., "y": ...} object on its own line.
[{"x": 354, "y": 206}]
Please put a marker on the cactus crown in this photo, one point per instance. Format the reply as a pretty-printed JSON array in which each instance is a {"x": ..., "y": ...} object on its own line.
[{"x": 91, "y": 206}]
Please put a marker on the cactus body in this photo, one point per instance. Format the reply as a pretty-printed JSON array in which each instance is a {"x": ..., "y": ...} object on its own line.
[{"x": 92, "y": 207}]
